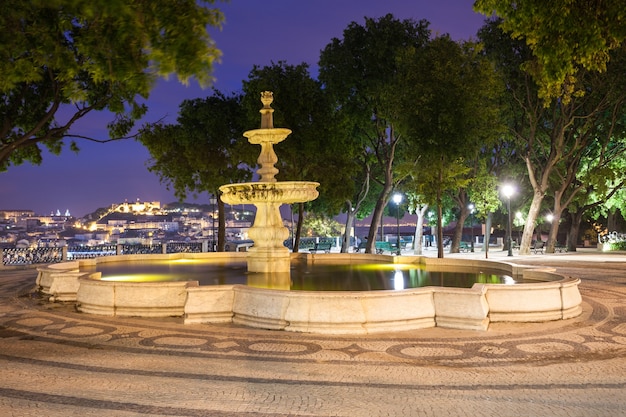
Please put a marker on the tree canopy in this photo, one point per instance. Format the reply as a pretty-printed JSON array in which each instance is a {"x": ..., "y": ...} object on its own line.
[
  {"x": 62, "y": 59},
  {"x": 564, "y": 36}
]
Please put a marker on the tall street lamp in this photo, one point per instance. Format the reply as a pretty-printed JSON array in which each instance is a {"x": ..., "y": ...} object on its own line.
[
  {"x": 471, "y": 207},
  {"x": 213, "y": 202},
  {"x": 397, "y": 198},
  {"x": 508, "y": 191}
]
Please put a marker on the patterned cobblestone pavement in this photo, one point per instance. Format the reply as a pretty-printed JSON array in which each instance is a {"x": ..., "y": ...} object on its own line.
[{"x": 57, "y": 362}]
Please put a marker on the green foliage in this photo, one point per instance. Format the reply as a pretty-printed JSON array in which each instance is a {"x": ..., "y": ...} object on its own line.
[
  {"x": 320, "y": 225},
  {"x": 414, "y": 202},
  {"x": 565, "y": 37},
  {"x": 614, "y": 246},
  {"x": 449, "y": 94},
  {"x": 359, "y": 68},
  {"x": 483, "y": 193},
  {"x": 81, "y": 56},
  {"x": 357, "y": 72},
  {"x": 204, "y": 150}
]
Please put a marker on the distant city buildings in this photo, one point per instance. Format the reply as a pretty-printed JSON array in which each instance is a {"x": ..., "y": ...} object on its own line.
[{"x": 136, "y": 222}]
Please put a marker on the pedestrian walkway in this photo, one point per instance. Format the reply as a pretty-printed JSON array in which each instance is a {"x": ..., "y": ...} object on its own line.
[{"x": 55, "y": 361}]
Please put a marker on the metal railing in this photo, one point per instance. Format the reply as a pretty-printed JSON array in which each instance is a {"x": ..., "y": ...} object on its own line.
[
  {"x": 29, "y": 256},
  {"x": 46, "y": 255}
]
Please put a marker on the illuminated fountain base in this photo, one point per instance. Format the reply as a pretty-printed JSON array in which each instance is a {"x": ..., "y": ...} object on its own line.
[{"x": 552, "y": 297}]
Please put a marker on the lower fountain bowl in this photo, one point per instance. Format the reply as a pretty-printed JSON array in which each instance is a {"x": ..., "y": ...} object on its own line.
[{"x": 283, "y": 192}]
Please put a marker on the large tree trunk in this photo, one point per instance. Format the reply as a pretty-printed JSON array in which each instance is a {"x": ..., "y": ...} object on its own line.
[
  {"x": 529, "y": 228},
  {"x": 462, "y": 203},
  {"x": 385, "y": 156},
  {"x": 377, "y": 218},
  {"x": 574, "y": 230},
  {"x": 296, "y": 243},
  {"x": 419, "y": 230},
  {"x": 345, "y": 241},
  {"x": 611, "y": 221},
  {"x": 557, "y": 212},
  {"x": 553, "y": 233},
  {"x": 458, "y": 229},
  {"x": 487, "y": 236}
]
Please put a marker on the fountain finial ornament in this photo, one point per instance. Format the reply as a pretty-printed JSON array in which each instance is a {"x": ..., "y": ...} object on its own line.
[{"x": 267, "y": 119}]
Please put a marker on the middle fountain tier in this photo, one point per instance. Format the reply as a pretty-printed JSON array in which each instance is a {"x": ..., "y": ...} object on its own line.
[{"x": 269, "y": 254}]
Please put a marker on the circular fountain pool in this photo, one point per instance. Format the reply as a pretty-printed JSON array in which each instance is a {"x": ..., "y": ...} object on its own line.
[{"x": 539, "y": 295}]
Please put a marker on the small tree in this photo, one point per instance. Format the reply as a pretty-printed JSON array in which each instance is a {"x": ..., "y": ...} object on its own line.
[{"x": 484, "y": 195}]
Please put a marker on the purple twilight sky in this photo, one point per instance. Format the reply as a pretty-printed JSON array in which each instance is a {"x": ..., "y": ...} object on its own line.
[{"x": 255, "y": 32}]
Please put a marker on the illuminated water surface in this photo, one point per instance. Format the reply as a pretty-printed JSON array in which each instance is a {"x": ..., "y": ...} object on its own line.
[{"x": 309, "y": 277}]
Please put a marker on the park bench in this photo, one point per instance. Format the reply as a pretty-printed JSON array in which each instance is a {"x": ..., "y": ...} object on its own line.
[
  {"x": 464, "y": 247},
  {"x": 321, "y": 247},
  {"x": 537, "y": 247},
  {"x": 362, "y": 246},
  {"x": 383, "y": 247},
  {"x": 560, "y": 248}
]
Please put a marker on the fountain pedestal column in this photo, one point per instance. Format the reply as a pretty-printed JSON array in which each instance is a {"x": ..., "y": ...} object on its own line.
[{"x": 268, "y": 233}]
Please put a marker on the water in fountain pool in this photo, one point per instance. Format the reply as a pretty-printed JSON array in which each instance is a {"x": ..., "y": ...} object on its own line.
[{"x": 365, "y": 276}]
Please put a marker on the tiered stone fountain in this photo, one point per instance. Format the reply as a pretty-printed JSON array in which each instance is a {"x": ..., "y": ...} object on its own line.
[{"x": 269, "y": 254}]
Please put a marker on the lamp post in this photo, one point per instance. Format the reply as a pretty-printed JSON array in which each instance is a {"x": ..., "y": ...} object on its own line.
[
  {"x": 397, "y": 198},
  {"x": 213, "y": 201},
  {"x": 431, "y": 238},
  {"x": 508, "y": 191},
  {"x": 471, "y": 207}
]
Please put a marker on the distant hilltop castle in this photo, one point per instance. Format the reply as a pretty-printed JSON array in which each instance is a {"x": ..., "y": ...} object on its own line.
[{"x": 152, "y": 207}]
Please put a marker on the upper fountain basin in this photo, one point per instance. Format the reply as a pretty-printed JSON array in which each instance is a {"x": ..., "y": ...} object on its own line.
[
  {"x": 271, "y": 135},
  {"x": 287, "y": 192}
]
